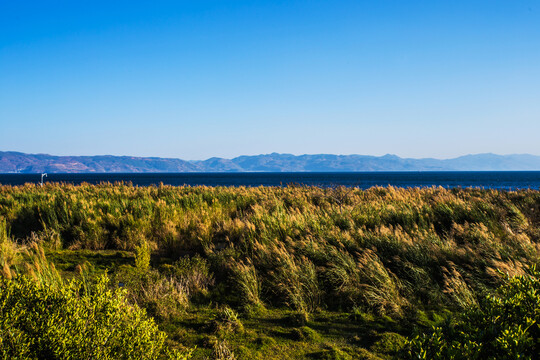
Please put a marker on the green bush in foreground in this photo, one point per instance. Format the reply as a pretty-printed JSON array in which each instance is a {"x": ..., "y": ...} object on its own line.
[
  {"x": 504, "y": 326},
  {"x": 40, "y": 321}
]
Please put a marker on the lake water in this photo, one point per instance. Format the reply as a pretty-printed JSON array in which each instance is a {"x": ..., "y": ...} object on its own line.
[{"x": 507, "y": 180}]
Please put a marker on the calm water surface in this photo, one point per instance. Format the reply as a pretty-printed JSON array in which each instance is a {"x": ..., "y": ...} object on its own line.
[{"x": 507, "y": 180}]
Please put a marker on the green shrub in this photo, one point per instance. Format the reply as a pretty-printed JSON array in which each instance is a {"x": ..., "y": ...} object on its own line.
[
  {"x": 503, "y": 326},
  {"x": 39, "y": 321}
]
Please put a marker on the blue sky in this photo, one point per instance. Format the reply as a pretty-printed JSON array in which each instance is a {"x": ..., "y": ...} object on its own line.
[{"x": 195, "y": 79}]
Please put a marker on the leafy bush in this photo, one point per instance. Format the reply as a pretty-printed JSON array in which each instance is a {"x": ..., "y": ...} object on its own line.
[
  {"x": 503, "y": 326},
  {"x": 41, "y": 321}
]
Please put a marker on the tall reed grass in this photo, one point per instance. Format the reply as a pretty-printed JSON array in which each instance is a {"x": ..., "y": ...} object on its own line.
[{"x": 382, "y": 249}]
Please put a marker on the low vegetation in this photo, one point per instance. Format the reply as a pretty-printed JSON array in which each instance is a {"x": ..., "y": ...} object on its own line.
[{"x": 269, "y": 272}]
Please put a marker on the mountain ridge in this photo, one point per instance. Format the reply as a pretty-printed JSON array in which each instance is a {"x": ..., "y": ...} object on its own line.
[{"x": 18, "y": 162}]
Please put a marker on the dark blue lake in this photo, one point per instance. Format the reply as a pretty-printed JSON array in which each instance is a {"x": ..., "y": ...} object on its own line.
[{"x": 507, "y": 180}]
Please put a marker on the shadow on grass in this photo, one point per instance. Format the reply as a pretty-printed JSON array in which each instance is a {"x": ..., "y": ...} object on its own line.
[{"x": 106, "y": 260}]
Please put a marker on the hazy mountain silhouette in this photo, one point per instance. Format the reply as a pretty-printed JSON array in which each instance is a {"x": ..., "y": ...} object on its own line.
[{"x": 11, "y": 162}]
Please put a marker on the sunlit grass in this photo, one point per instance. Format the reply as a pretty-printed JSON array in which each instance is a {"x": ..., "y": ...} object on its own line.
[{"x": 279, "y": 256}]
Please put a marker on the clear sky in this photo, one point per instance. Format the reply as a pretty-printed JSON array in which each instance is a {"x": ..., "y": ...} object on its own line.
[{"x": 195, "y": 79}]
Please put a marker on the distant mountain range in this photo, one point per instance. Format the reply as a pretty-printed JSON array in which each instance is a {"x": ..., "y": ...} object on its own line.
[{"x": 16, "y": 162}]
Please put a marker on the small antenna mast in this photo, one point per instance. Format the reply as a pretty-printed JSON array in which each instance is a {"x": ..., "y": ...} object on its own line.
[{"x": 42, "y": 175}]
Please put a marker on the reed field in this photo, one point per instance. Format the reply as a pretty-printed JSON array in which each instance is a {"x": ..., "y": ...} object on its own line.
[{"x": 269, "y": 272}]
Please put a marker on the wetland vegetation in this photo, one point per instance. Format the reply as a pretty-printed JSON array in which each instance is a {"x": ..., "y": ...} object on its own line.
[{"x": 268, "y": 273}]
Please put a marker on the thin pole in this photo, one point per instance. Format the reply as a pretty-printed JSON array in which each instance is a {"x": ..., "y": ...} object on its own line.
[{"x": 42, "y": 175}]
